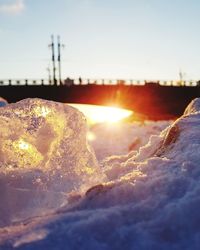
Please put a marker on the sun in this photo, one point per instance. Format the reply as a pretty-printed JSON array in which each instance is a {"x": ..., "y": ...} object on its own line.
[{"x": 100, "y": 114}]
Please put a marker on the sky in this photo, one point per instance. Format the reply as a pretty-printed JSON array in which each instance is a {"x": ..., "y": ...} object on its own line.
[{"x": 123, "y": 39}]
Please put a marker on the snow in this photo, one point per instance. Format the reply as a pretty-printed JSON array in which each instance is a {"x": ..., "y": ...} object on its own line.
[
  {"x": 121, "y": 138},
  {"x": 3, "y": 102},
  {"x": 149, "y": 200}
]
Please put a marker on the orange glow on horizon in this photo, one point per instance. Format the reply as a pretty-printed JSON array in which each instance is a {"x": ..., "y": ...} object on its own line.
[{"x": 100, "y": 114}]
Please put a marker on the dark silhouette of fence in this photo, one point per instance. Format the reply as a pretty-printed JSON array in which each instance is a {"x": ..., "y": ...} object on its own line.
[
  {"x": 153, "y": 100},
  {"x": 68, "y": 81}
]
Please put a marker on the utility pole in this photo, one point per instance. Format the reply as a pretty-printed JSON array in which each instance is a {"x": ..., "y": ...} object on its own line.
[
  {"x": 49, "y": 74},
  {"x": 59, "y": 58},
  {"x": 53, "y": 59},
  {"x": 181, "y": 77}
]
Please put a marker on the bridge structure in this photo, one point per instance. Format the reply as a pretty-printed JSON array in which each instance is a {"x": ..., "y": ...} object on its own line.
[
  {"x": 157, "y": 100},
  {"x": 85, "y": 81}
]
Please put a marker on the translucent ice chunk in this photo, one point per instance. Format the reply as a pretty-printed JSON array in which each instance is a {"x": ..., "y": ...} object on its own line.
[{"x": 43, "y": 156}]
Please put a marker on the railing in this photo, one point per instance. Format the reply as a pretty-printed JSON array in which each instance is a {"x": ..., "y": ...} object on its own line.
[{"x": 84, "y": 81}]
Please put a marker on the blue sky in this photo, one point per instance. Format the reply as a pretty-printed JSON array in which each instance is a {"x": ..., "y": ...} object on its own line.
[{"x": 151, "y": 39}]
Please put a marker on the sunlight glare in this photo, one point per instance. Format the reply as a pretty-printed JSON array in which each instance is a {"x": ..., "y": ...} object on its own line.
[
  {"x": 23, "y": 145},
  {"x": 100, "y": 114},
  {"x": 91, "y": 136}
]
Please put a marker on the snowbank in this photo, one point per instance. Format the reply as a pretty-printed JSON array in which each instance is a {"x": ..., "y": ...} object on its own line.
[
  {"x": 3, "y": 102},
  {"x": 121, "y": 138},
  {"x": 150, "y": 200}
]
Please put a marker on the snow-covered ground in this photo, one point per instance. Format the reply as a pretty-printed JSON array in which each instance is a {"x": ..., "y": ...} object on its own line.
[
  {"x": 120, "y": 138},
  {"x": 145, "y": 199}
]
